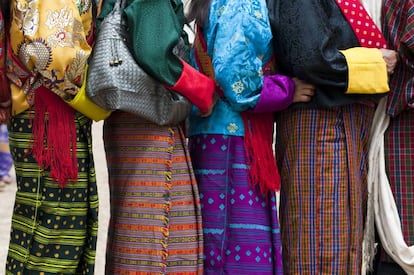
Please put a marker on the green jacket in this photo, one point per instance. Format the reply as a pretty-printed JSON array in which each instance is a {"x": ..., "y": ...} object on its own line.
[{"x": 155, "y": 28}]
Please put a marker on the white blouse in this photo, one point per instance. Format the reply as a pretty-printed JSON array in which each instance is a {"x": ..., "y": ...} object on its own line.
[{"x": 373, "y": 8}]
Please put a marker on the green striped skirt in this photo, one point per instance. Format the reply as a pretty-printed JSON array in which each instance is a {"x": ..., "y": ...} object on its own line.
[{"x": 54, "y": 230}]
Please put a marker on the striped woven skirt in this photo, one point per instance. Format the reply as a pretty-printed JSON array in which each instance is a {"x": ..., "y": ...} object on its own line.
[
  {"x": 155, "y": 225},
  {"x": 240, "y": 225},
  {"x": 399, "y": 159},
  {"x": 322, "y": 155},
  {"x": 54, "y": 230}
]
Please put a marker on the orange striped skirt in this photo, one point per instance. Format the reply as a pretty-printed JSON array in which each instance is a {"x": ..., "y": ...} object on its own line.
[{"x": 155, "y": 224}]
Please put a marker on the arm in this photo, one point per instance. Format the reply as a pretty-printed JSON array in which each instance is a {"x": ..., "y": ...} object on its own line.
[
  {"x": 154, "y": 31},
  {"x": 367, "y": 71},
  {"x": 241, "y": 45},
  {"x": 311, "y": 46},
  {"x": 276, "y": 94},
  {"x": 407, "y": 37},
  {"x": 57, "y": 61},
  {"x": 156, "y": 26}
]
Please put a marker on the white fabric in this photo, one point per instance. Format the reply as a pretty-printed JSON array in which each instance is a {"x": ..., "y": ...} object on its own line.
[
  {"x": 373, "y": 7},
  {"x": 381, "y": 203}
]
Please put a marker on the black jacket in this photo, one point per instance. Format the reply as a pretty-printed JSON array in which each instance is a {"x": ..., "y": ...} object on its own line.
[{"x": 308, "y": 35}]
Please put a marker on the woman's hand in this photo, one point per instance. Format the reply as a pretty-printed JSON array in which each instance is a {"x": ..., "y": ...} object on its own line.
[
  {"x": 391, "y": 59},
  {"x": 303, "y": 91}
]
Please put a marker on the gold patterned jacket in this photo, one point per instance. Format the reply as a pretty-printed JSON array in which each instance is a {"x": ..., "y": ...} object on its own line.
[{"x": 49, "y": 46}]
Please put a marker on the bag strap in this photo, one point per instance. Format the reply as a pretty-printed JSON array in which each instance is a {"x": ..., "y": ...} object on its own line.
[
  {"x": 118, "y": 9},
  {"x": 203, "y": 60},
  {"x": 122, "y": 4},
  {"x": 362, "y": 24}
]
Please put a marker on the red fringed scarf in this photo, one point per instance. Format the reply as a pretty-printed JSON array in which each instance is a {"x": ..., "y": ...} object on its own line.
[
  {"x": 54, "y": 135},
  {"x": 258, "y": 132},
  {"x": 258, "y": 141}
]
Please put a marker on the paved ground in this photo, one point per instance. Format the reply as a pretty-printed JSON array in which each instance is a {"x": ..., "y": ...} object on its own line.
[{"x": 7, "y": 200}]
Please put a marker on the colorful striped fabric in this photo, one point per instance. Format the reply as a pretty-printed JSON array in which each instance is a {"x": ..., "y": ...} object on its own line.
[
  {"x": 155, "y": 225},
  {"x": 398, "y": 29},
  {"x": 322, "y": 158},
  {"x": 240, "y": 225},
  {"x": 399, "y": 145},
  {"x": 54, "y": 230}
]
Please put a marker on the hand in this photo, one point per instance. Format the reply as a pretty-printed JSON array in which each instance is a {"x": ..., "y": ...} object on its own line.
[
  {"x": 303, "y": 91},
  {"x": 391, "y": 59}
]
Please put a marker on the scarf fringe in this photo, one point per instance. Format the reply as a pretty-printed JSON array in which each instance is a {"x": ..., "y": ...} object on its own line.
[
  {"x": 54, "y": 135},
  {"x": 258, "y": 142}
]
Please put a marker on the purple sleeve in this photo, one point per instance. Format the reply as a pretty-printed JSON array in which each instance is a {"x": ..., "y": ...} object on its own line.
[{"x": 276, "y": 95}]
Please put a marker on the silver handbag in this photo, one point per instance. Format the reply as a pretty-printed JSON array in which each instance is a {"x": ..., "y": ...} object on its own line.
[{"x": 116, "y": 82}]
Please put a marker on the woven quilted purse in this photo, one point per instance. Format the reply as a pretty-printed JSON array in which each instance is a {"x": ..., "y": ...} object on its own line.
[{"x": 117, "y": 82}]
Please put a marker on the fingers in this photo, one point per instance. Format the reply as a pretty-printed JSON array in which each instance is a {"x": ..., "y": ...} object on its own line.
[
  {"x": 303, "y": 91},
  {"x": 308, "y": 91},
  {"x": 302, "y": 98},
  {"x": 304, "y": 94},
  {"x": 391, "y": 59}
]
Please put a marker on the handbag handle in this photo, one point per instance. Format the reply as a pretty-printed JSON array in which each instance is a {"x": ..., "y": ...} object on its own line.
[
  {"x": 119, "y": 8},
  {"x": 122, "y": 4},
  {"x": 118, "y": 11}
]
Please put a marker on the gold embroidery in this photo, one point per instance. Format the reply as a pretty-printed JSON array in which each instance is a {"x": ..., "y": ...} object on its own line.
[{"x": 49, "y": 39}]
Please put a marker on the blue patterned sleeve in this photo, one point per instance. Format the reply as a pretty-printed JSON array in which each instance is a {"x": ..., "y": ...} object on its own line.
[{"x": 242, "y": 45}]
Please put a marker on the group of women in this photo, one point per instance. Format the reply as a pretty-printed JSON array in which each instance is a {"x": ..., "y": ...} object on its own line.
[{"x": 201, "y": 198}]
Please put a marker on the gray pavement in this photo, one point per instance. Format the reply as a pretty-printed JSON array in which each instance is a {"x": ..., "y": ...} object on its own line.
[{"x": 7, "y": 201}]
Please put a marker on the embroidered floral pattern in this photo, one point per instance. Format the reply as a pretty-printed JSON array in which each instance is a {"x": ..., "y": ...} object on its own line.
[
  {"x": 60, "y": 22},
  {"x": 238, "y": 87},
  {"x": 49, "y": 40},
  {"x": 232, "y": 128},
  {"x": 238, "y": 62},
  {"x": 258, "y": 14}
]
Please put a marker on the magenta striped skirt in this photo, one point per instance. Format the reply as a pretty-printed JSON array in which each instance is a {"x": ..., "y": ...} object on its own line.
[{"x": 240, "y": 225}]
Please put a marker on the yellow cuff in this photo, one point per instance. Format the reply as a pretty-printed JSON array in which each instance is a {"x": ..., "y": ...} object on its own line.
[
  {"x": 367, "y": 71},
  {"x": 86, "y": 106}
]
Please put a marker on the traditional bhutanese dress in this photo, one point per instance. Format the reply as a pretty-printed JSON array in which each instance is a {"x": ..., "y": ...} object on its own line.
[
  {"x": 155, "y": 225},
  {"x": 54, "y": 230},
  {"x": 55, "y": 216},
  {"x": 240, "y": 224},
  {"x": 321, "y": 146},
  {"x": 398, "y": 28}
]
